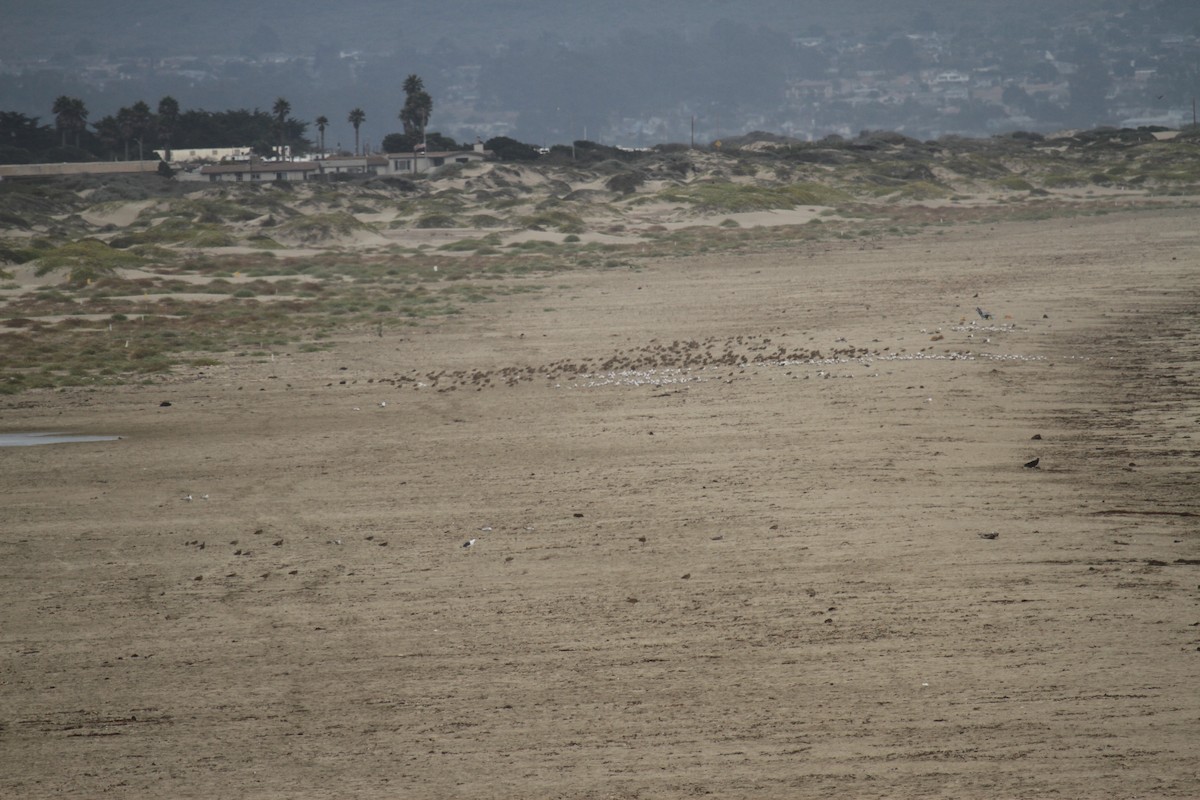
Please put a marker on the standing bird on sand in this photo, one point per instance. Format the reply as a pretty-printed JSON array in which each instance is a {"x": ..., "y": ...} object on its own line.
[
  {"x": 469, "y": 543},
  {"x": 1032, "y": 464}
]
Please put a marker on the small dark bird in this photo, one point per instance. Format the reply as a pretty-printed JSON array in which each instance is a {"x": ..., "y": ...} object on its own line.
[
  {"x": 1032, "y": 464},
  {"x": 982, "y": 313},
  {"x": 469, "y": 543}
]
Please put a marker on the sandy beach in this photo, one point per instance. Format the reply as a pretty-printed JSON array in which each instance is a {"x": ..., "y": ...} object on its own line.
[{"x": 729, "y": 514}]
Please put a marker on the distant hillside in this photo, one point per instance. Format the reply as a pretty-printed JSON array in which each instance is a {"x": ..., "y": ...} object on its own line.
[
  {"x": 620, "y": 72},
  {"x": 144, "y": 27}
]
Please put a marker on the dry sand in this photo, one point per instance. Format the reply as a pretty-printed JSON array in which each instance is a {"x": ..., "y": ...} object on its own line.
[{"x": 759, "y": 581}]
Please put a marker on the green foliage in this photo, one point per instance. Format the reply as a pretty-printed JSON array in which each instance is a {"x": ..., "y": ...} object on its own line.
[
  {"x": 212, "y": 238},
  {"x": 408, "y": 142},
  {"x": 418, "y": 106},
  {"x": 1015, "y": 183},
  {"x": 313, "y": 228},
  {"x": 176, "y": 231},
  {"x": 15, "y": 155},
  {"x": 436, "y": 220},
  {"x": 1060, "y": 180},
  {"x": 215, "y": 210},
  {"x": 22, "y": 134},
  {"x": 562, "y": 221},
  {"x": 484, "y": 244},
  {"x": 977, "y": 165},
  {"x": 196, "y": 128},
  {"x": 626, "y": 182},
  {"x": 586, "y": 152},
  {"x": 914, "y": 190},
  {"x": 66, "y": 153},
  {"x": 506, "y": 149},
  {"x": 263, "y": 242},
  {"x": 85, "y": 261},
  {"x": 8, "y": 220},
  {"x": 735, "y": 198}
]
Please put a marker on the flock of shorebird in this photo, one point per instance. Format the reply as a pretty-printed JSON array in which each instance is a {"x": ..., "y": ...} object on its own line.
[{"x": 658, "y": 363}]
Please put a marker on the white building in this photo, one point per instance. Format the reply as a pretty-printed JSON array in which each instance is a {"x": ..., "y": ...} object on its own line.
[
  {"x": 188, "y": 155},
  {"x": 418, "y": 161},
  {"x": 360, "y": 165},
  {"x": 257, "y": 171}
]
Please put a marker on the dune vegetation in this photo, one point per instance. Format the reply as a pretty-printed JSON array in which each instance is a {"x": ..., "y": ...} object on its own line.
[{"x": 129, "y": 279}]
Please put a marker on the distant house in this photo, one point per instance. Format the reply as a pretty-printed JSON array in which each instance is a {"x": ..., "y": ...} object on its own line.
[
  {"x": 359, "y": 165},
  {"x": 951, "y": 77},
  {"x": 193, "y": 155},
  {"x": 256, "y": 171},
  {"x": 418, "y": 162}
]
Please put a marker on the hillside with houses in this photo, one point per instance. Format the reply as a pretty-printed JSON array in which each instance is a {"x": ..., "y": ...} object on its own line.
[{"x": 925, "y": 70}]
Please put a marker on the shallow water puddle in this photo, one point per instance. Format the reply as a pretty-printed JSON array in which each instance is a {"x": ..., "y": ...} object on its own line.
[{"x": 30, "y": 439}]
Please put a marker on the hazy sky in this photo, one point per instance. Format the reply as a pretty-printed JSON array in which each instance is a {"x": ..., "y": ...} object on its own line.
[
  {"x": 208, "y": 25},
  {"x": 549, "y": 68}
]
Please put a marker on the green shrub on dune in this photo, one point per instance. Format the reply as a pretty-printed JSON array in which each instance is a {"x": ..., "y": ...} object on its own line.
[
  {"x": 732, "y": 198},
  {"x": 314, "y": 228},
  {"x": 85, "y": 261}
]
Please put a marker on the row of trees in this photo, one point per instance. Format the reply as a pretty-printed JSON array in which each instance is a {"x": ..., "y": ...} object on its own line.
[
  {"x": 23, "y": 140},
  {"x": 135, "y": 129}
]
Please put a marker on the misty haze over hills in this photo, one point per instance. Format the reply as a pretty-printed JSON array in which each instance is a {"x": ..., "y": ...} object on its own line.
[{"x": 625, "y": 73}]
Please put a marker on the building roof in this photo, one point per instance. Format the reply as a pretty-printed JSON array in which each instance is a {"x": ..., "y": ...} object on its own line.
[
  {"x": 370, "y": 161},
  {"x": 439, "y": 153},
  {"x": 259, "y": 166}
]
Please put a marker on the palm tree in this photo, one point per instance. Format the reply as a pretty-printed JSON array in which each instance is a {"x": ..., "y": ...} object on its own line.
[
  {"x": 70, "y": 114},
  {"x": 168, "y": 118},
  {"x": 413, "y": 84},
  {"x": 125, "y": 127},
  {"x": 141, "y": 124},
  {"x": 322, "y": 123},
  {"x": 418, "y": 105},
  {"x": 109, "y": 133},
  {"x": 356, "y": 118},
  {"x": 281, "y": 109}
]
